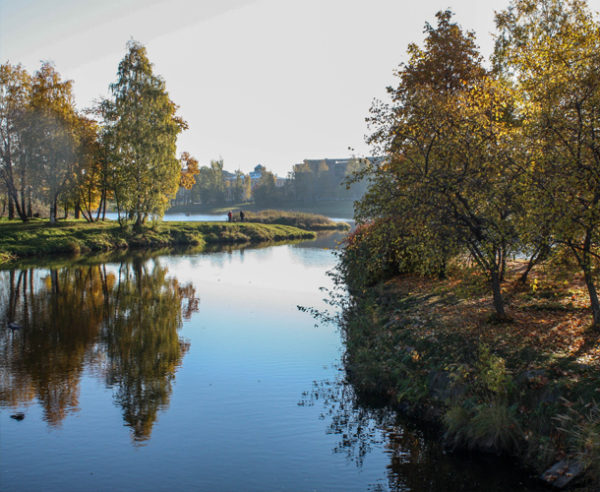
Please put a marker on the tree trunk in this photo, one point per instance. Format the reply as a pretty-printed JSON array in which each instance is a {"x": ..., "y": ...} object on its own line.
[
  {"x": 584, "y": 259},
  {"x": 138, "y": 222},
  {"x": 77, "y": 210},
  {"x": 88, "y": 216},
  {"x": 595, "y": 305},
  {"x": 14, "y": 201},
  {"x": 100, "y": 205},
  {"x": 525, "y": 274},
  {"x": 23, "y": 194},
  {"x": 11, "y": 208},
  {"x": 503, "y": 263},
  {"x": 29, "y": 207},
  {"x": 539, "y": 255},
  {"x": 118, "y": 210},
  {"x": 53, "y": 206},
  {"x": 497, "y": 292}
]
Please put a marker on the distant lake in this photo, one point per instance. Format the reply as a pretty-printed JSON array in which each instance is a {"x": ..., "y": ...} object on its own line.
[
  {"x": 183, "y": 217},
  {"x": 197, "y": 372}
]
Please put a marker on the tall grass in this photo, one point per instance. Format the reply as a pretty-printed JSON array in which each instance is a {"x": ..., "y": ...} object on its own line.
[
  {"x": 581, "y": 424},
  {"x": 302, "y": 220}
]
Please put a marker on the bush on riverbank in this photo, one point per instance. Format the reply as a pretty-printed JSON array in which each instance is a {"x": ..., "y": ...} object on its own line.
[
  {"x": 528, "y": 388},
  {"x": 74, "y": 237},
  {"x": 381, "y": 249}
]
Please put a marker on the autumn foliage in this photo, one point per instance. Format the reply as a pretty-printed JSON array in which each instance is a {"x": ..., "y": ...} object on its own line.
[{"x": 492, "y": 163}]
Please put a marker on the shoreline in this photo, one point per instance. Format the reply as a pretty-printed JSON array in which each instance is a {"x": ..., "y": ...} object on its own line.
[
  {"x": 37, "y": 238},
  {"x": 519, "y": 389}
]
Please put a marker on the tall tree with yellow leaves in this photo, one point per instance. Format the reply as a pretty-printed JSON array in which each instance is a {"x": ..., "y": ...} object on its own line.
[
  {"x": 551, "y": 50},
  {"x": 447, "y": 137},
  {"x": 141, "y": 128}
]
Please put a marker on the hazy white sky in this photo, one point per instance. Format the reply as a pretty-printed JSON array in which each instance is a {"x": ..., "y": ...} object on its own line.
[{"x": 258, "y": 81}]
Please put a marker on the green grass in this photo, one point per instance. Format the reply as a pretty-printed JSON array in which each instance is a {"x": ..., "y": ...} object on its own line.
[{"x": 39, "y": 238}]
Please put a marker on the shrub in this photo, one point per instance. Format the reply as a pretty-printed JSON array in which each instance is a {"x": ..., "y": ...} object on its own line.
[
  {"x": 456, "y": 419},
  {"x": 582, "y": 428},
  {"x": 73, "y": 246},
  {"x": 491, "y": 426},
  {"x": 494, "y": 427},
  {"x": 381, "y": 249}
]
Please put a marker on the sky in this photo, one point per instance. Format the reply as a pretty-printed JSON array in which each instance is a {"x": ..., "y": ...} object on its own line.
[{"x": 258, "y": 81}]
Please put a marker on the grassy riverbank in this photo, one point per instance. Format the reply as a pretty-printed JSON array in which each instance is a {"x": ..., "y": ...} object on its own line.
[
  {"x": 309, "y": 222},
  {"x": 37, "y": 238},
  {"x": 529, "y": 388}
]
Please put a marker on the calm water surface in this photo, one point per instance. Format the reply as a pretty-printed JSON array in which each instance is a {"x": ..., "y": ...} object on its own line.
[
  {"x": 183, "y": 217},
  {"x": 205, "y": 217},
  {"x": 197, "y": 372}
]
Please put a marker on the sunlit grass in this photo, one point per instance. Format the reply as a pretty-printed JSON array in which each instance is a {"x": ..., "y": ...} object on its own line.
[
  {"x": 74, "y": 237},
  {"x": 310, "y": 222}
]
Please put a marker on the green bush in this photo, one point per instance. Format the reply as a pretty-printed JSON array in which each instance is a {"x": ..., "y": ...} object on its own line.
[{"x": 379, "y": 250}]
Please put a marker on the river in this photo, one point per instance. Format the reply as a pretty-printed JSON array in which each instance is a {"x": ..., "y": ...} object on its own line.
[
  {"x": 198, "y": 372},
  {"x": 181, "y": 217}
]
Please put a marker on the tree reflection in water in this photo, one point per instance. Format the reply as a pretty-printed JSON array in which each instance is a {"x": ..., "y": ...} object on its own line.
[
  {"x": 119, "y": 321},
  {"x": 143, "y": 348},
  {"x": 418, "y": 460},
  {"x": 358, "y": 426}
]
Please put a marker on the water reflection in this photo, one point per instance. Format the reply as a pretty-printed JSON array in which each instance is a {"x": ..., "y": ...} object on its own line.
[
  {"x": 324, "y": 240},
  {"x": 417, "y": 459},
  {"x": 358, "y": 426},
  {"x": 119, "y": 321}
]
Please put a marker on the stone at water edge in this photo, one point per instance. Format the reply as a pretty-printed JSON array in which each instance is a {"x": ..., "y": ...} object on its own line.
[{"x": 562, "y": 473}]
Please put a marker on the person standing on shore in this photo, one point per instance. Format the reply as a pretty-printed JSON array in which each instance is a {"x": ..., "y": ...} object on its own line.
[
  {"x": 229, "y": 216},
  {"x": 241, "y": 216}
]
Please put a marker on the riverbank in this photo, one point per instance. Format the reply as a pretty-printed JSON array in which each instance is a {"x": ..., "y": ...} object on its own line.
[
  {"x": 37, "y": 237},
  {"x": 306, "y": 221},
  {"x": 528, "y": 389}
]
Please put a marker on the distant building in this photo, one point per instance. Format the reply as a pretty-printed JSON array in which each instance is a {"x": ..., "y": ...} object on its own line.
[
  {"x": 227, "y": 176},
  {"x": 280, "y": 182},
  {"x": 323, "y": 179},
  {"x": 338, "y": 166},
  {"x": 255, "y": 175}
]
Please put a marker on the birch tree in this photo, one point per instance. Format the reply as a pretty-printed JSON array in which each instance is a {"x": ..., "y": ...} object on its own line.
[{"x": 141, "y": 133}]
